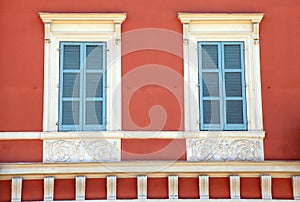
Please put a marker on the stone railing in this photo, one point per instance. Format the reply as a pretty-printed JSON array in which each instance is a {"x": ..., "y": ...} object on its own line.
[{"x": 173, "y": 171}]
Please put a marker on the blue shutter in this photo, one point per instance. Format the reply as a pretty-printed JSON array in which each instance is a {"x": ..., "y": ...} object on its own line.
[
  {"x": 70, "y": 79},
  {"x": 95, "y": 87},
  {"x": 209, "y": 86},
  {"x": 234, "y": 86},
  {"x": 82, "y": 104},
  {"x": 222, "y": 96}
]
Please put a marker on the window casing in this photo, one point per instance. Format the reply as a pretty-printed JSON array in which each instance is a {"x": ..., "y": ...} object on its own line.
[
  {"x": 104, "y": 28},
  {"x": 226, "y": 28}
]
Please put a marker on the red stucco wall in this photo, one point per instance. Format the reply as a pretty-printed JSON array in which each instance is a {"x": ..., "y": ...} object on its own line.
[
  {"x": 21, "y": 75},
  {"x": 21, "y": 63}
]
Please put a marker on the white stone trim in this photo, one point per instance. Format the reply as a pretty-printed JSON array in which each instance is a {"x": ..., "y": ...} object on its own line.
[
  {"x": 104, "y": 27},
  {"x": 129, "y": 134},
  {"x": 222, "y": 27},
  {"x": 277, "y": 169},
  {"x": 19, "y": 135}
]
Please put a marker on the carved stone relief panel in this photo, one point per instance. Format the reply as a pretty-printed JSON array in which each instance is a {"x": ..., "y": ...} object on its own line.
[
  {"x": 82, "y": 150},
  {"x": 223, "y": 149}
]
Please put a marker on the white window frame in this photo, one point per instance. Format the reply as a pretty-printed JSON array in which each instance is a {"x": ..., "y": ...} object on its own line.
[
  {"x": 87, "y": 27},
  {"x": 222, "y": 27}
]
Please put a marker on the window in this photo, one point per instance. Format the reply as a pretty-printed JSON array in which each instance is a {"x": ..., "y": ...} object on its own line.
[
  {"x": 82, "y": 71},
  {"x": 82, "y": 93},
  {"x": 222, "y": 86},
  {"x": 222, "y": 71}
]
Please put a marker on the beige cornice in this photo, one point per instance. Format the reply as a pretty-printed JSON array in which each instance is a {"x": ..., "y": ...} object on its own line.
[
  {"x": 189, "y": 17},
  {"x": 114, "y": 17},
  {"x": 282, "y": 169}
]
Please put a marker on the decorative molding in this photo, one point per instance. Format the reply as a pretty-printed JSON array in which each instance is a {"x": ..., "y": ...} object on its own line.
[
  {"x": 142, "y": 186},
  {"x": 173, "y": 186},
  {"x": 111, "y": 186},
  {"x": 48, "y": 188},
  {"x": 204, "y": 186},
  {"x": 266, "y": 187},
  {"x": 235, "y": 187},
  {"x": 80, "y": 188},
  {"x": 82, "y": 150},
  {"x": 224, "y": 149},
  {"x": 16, "y": 189}
]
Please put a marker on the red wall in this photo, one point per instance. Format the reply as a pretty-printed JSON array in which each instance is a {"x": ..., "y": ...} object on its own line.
[{"x": 21, "y": 67}]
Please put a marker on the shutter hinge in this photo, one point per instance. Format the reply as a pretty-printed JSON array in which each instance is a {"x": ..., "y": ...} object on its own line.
[
  {"x": 198, "y": 85},
  {"x": 107, "y": 86},
  {"x": 58, "y": 49},
  {"x": 58, "y": 85},
  {"x": 57, "y": 123},
  {"x": 107, "y": 50}
]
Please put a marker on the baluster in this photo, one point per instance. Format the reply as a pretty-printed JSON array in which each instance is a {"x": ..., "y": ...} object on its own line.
[
  {"x": 48, "y": 188},
  {"x": 16, "y": 189},
  {"x": 111, "y": 186},
  {"x": 204, "y": 186},
  {"x": 296, "y": 187},
  {"x": 142, "y": 186},
  {"x": 266, "y": 186},
  {"x": 173, "y": 186},
  {"x": 235, "y": 187},
  {"x": 80, "y": 188}
]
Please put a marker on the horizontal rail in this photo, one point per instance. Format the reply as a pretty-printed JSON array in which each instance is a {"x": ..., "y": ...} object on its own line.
[{"x": 277, "y": 169}]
